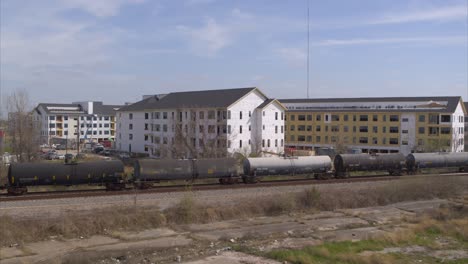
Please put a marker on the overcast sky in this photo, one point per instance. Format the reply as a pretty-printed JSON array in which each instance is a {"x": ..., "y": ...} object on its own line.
[{"x": 117, "y": 50}]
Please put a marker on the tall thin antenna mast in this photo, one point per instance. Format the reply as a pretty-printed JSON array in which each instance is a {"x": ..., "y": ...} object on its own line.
[{"x": 308, "y": 43}]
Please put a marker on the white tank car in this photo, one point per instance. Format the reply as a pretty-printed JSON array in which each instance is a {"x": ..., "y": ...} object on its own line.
[{"x": 287, "y": 165}]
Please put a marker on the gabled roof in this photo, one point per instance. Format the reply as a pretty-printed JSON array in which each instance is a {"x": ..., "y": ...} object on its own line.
[
  {"x": 415, "y": 104},
  {"x": 192, "y": 99},
  {"x": 268, "y": 102}
]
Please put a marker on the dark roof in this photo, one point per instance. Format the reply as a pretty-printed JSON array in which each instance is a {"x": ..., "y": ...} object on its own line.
[
  {"x": 59, "y": 106},
  {"x": 100, "y": 109},
  {"x": 429, "y": 102},
  {"x": 147, "y": 103},
  {"x": 264, "y": 104},
  {"x": 193, "y": 99}
]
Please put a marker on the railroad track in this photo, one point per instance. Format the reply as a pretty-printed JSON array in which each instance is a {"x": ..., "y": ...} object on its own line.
[{"x": 199, "y": 187}]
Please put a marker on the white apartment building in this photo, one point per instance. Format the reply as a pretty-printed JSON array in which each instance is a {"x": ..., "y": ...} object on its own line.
[
  {"x": 202, "y": 124},
  {"x": 93, "y": 121}
]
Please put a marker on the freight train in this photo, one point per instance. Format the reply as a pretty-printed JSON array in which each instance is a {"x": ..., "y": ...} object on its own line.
[{"x": 227, "y": 170}]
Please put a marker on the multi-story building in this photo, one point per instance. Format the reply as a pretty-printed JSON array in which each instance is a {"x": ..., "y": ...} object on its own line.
[
  {"x": 393, "y": 124},
  {"x": 202, "y": 124},
  {"x": 92, "y": 121}
]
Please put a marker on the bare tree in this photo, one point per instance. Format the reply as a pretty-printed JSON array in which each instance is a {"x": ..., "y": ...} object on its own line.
[
  {"x": 200, "y": 134},
  {"x": 22, "y": 128}
]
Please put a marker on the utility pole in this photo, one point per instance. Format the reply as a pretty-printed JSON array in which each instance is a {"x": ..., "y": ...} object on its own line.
[{"x": 308, "y": 44}]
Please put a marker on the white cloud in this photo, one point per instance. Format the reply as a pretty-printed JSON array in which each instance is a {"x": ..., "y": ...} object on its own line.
[
  {"x": 99, "y": 8},
  {"x": 435, "y": 14},
  {"x": 208, "y": 39},
  {"x": 370, "y": 41}
]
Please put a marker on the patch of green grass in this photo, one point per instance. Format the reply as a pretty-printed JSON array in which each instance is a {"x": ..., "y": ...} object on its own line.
[{"x": 330, "y": 252}]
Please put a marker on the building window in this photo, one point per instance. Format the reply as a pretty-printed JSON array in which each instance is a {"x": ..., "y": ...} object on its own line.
[
  {"x": 345, "y": 118},
  {"x": 130, "y": 136},
  {"x": 263, "y": 113},
  {"x": 404, "y": 131},
  {"x": 164, "y": 128},
  {"x": 211, "y": 114},
  {"x": 393, "y": 118},
  {"x": 146, "y": 126},
  {"x": 404, "y": 120},
  {"x": 445, "y": 130},
  {"x": 276, "y": 115},
  {"x": 268, "y": 143},
  {"x": 393, "y": 129},
  {"x": 363, "y": 140},
  {"x": 375, "y": 118},
  {"x": 375, "y": 129},
  {"x": 130, "y": 126},
  {"x": 309, "y": 117},
  {"x": 393, "y": 141},
  {"x": 282, "y": 142},
  {"x": 335, "y": 118},
  {"x": 240, "y": 129},
  {"x": 164, "y": 115},
  {"x": 318, "y": 118},
  {"x": 263, "y": 143},
  {"x": 317, "y": 139},
  {"x": 317, "y": 128},
  {"x": 301, "y": 118},
  {"x": 146, "y": 137},
  {"x": 130, "y": 116},
  {"x": 309, "y": 128},
  {"x": 374, "y": 140},
  {"x": 51, "y": 117},
  {"x": 292, "y": 127},
  {"x": 146, "y": 115},
  {"x": 292, "y": 117},
  {"x": 276, "y": 143},
  {"x": 301, "y": 138},
  {"x": 445, "y": 118},
  {"x": 363, "y": 129},
  {"x": 301, "y": 128},
  {"x": 240, "y": 143},
  {"x": 422, "y": 118},
  {"x": 250, "y": 113},
  {"x": 276, "y": 129},
  {"x": 433, "y": 130},
  {"x": 282, "y": 115},
  {"x": 363, "y": 118}
]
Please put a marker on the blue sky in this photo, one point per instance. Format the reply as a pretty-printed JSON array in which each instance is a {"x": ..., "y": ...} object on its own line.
[{"x": 117, "y": 50}]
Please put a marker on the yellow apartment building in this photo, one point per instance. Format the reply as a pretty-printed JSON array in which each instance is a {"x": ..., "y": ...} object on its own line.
[{"x": 384, "y": 125}]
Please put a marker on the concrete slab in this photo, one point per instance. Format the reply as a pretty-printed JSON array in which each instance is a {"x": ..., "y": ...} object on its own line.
[
  {"x": 164, "y": 242},
  {"x": 230, "y": 257},
  {"x": 335, "y": 223},
  {"x": 43, "y": 251},
  {"x": 355, "y": 234},
  {"x": 421, "y": 206},
  {"x": 147, "y": 234},
  {"x": 259, "y": 230},
  {"x": 378, "y": 215}
]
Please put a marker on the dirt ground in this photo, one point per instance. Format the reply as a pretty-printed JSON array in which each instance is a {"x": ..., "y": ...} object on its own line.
[{"x": 219, "y": 242}]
